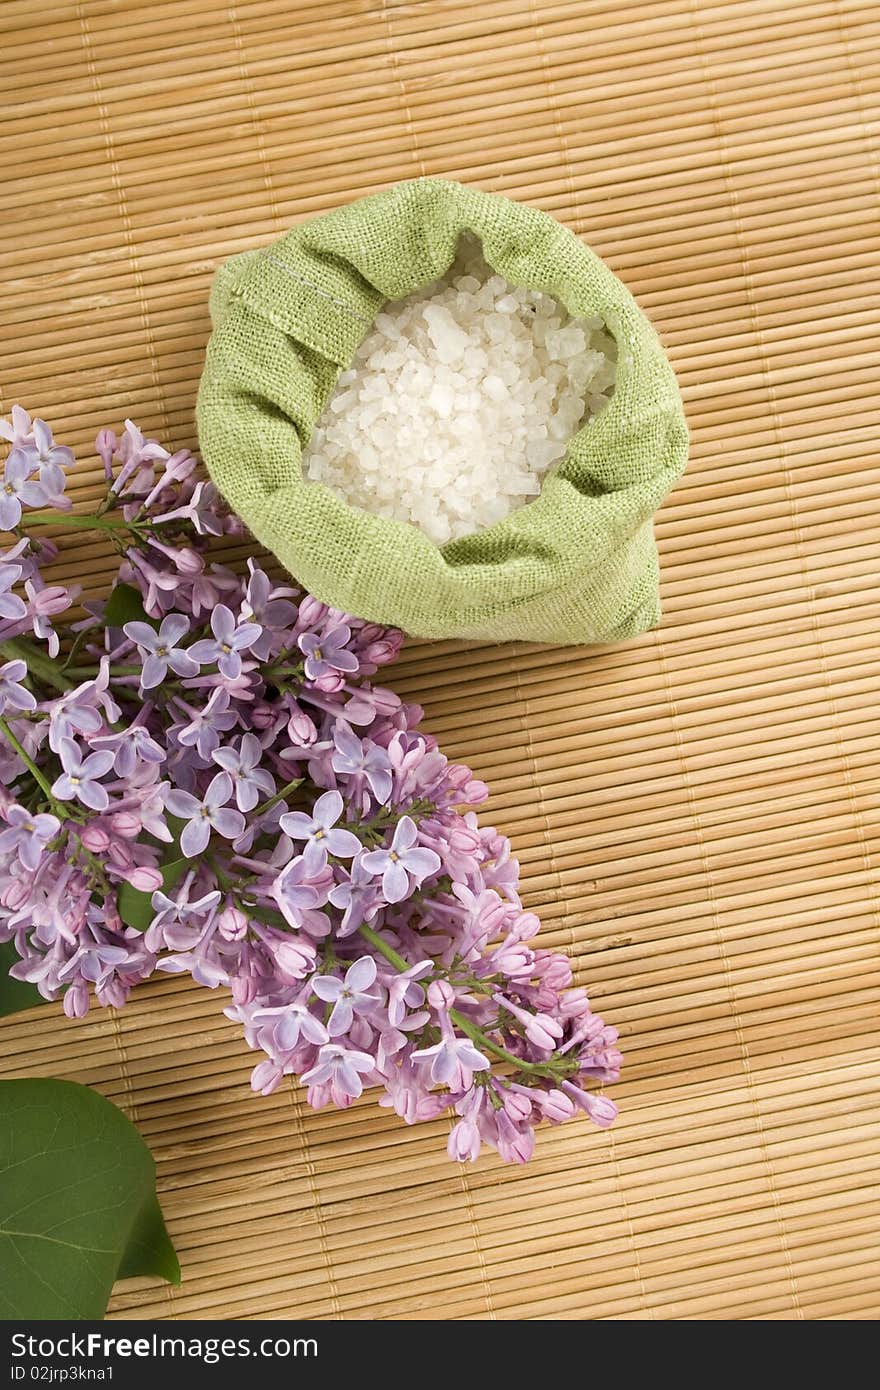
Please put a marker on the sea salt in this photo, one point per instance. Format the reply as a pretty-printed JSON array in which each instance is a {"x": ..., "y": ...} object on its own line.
[{"x": 459, "y": 401}]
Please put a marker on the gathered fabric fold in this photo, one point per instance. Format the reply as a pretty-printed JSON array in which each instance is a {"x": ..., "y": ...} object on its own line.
[{"x": 576, "y": 565}]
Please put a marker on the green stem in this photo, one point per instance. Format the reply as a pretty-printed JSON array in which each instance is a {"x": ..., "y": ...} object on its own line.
[
  {"x": 383, "y": 948},
  {"x": 28, "y": 761},
  {"x": 81, "y": 523},
  {"x": 226, "y": 883},
  {"x": 38, "y": 663},
  {"x": 262, "y": 914},
  {"x": 372, "y": 831},
  {"x": 279, "y": 796},
  {"x": 89, "y": 672},
  {"x": 477, "y": 1035}
]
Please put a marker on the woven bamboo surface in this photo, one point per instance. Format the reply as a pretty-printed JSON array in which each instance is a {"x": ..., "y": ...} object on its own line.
[{"x": 696, "y": 812}]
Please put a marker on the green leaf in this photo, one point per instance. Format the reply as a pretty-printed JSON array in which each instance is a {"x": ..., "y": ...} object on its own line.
[
  {"x": 14, "y": 994},
  {"x": 136, "y": 908},
  {"x": 149, "y": 1249},
  {"x": 125, "y": 605},
  {"x": 78, "y": 1202}
]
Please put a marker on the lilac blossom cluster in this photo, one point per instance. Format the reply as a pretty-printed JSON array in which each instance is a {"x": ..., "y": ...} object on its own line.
[{"x": 199, "y": 777}]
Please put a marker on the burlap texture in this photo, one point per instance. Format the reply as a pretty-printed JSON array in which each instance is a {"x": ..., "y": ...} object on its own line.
[{"x": 576, "y": 565}]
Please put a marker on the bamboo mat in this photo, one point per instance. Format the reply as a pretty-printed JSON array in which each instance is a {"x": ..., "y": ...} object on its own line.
[{"x": 696, "y": 812}]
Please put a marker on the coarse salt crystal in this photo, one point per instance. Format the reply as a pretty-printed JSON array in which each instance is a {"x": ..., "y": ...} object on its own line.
[{"x": 459, "y": 401}]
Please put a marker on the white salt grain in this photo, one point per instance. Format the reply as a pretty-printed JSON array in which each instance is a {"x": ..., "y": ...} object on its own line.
[{"x": 459, "y": 401}]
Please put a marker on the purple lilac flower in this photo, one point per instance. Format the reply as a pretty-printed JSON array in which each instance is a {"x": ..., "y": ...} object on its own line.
[
  {"x": 355, "y": 757},
  {"x": 43, "y": 453},
  {"x": 341, "y": 1069},
  {"x": 327, "y": 655},
  {"x": 243, "y": 765},
  {"x": 28, "y": 834},
  {"x": 295, "y": 892},
  {"x": 229, "y": 641},
  {"x": 79, "y": 780},
  {"x": 11, "y": 606},
  {"x": 13, "y": 695},
  {"x": 18, "y": 490},
  {"x": 206, "y": 725},
  {"x": 269, "y": 608},
  {"x": 601, "y": 1110},
  {"x": 320, "y": 832},
  {"x": 464, "y": 1142},
  {"x": 290, "y": 1023},
  {"x": 359, "y": 897},
  {"x": 349, "y": 996},
  {"x": 453, "y": 1061},
  {"x": 73, "y": 714},
  {"x": 19, "y": 431},
  {"x": 175, "y": 469},
  {"x": 404, "y": 991},
  {"x": 203, "y": 816},
  {"x": 49, "y": 459},
  {"x": 93, "y": 961},
  {"x": 201, "y": 510},
  {"x": 400, "y": 861},
  {"x": 44, "y": 603},
  {"x": 162, "y": 649},
  {"x": 130, "y": 747},
  {"x": 137, "y": 454},
  {"x": 180, "y": 910}
]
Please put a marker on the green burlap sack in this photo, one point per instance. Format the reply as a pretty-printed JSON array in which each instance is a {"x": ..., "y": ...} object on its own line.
[{"x": 578, "y": 564}]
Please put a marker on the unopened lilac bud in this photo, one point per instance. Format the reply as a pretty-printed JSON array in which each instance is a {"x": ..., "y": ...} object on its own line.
[
  {"x": 514, "y": 1145},
  {"x": 244, "y": 988},
  {"x": 94, "y": 838},
  {"x": 318, "y": 1095},
  {"x": 106, "y": 445},
  {"x": 600, "y": 1109},
  {"x": 76, "y": 1000},
  {"x": 329, "y": 683},
  {"x": 474, "y": 792},
  {"x": 294, "y": 961},
  {"x": 311, "y": 612},
  {"x": 188, "y": 561},
  {"x": 385, "y": 702},
  {"x": 441, "y": 995},
  {"x": 263, "y": 716},
  {"x": 464, "y": 1142},
  {"x": 144, "y": 878},
  {"x": 463, "y": 837},
  {"x": 543, "y": 1032},
  {"x": 112, "y": 919},
  {"x": 112, "y": 994},
  {"x": 526, "y": 928},
  {"x": 301, "y": 727},
  {"x": 120, "y": 855},
  {"x": 266, "y": 1077},
  {"x": 126, "y": 824},
  {"x": 458, "y": 776},
  {"x": 518, "y": 1106},
  {"x": 378, "y": 653},
  {"x": 232, "y": 924},
  {"x": 555, "y": 1105},
  {"x": 16, "y": 892}
]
